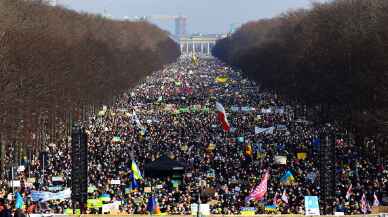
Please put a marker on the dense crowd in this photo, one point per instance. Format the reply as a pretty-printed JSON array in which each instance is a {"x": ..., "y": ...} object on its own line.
[{"x": 176, "y": 109}]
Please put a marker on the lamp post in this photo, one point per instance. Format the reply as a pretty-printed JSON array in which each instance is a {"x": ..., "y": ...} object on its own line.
[{"x": 199, "y": 201}]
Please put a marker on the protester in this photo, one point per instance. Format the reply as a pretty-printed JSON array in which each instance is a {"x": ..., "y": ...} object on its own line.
[{"x": 173, "y": 113}]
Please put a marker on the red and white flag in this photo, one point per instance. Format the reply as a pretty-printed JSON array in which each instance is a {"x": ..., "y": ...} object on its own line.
[
  {"x": 259, "y": 192},
  {"x": 285, "y": 197},
  {"x": 222, "y": 117},
  {"x": 349, "y": 192},
  {"x": 376, "y": 201}
]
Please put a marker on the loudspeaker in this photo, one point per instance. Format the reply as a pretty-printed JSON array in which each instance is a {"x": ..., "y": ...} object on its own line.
[
  {"x": 327, "y": 159},
  {"x": 79, "y": 170}
]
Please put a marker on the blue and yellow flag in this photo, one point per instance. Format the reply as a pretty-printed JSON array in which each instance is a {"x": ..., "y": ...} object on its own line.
[
  {"x": 105, "y": 197},
  {"x": 134, "y": 184},
  {"x": 270, "y": 208},
  {"x": 135, "y": 170},
  {"x": 287, "y": 178},
  {"x": 151, "y": 205},
  {"x": 222, "y": 79}
]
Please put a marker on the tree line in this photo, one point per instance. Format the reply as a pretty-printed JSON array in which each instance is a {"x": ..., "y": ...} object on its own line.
[
  {"x": 332, "y": 58},
  {"x": 57, "y": 66}
]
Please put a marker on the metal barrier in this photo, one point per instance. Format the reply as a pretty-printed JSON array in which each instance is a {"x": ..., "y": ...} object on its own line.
[{"x": 137, "y": 215}]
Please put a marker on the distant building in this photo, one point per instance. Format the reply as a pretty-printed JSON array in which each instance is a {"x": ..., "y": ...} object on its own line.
[
  {"x": 199, "y": 44},
  {"x": 52, "y": 2}
]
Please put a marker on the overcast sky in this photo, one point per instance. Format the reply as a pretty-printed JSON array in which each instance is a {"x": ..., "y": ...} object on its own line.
[{"x": 204, "y": 16}]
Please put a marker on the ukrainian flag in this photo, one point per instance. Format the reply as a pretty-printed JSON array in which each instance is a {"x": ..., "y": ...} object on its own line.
[
  {"x": 105, "y": 197},
  {"x": 135, "y": 170},
  {"x": 194, "y": 60},
  {"x": 134, "y": 184},
  {"x": 287, "y": 178},
  {"x": 270, "y": 208}
]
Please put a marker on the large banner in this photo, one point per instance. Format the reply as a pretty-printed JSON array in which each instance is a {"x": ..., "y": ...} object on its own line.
[
  {"x": 46, "y": 196},
  {"x": 268, "y": 130}
]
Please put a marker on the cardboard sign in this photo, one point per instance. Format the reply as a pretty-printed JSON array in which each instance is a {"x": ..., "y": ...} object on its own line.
[{"x": 311, "y": 205}]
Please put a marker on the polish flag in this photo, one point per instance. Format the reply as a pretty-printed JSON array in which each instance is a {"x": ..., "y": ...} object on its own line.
[
  {"x": 222, "y": 117},
  {"x": 258, "y": 193}
]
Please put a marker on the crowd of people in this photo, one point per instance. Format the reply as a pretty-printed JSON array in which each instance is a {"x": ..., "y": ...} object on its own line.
[{"x": 172, "y": 113}]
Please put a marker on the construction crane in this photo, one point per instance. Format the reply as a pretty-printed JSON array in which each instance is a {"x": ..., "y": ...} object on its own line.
[{"x": 180, "y": 23}]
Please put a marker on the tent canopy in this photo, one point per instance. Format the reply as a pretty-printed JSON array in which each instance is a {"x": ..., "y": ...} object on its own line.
[{"x": 164, "y": 166}]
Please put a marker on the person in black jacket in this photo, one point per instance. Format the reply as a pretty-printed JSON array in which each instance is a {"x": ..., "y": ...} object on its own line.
[
  {"x": 19, "y": 213},
  {"x": 6, "y": 212}
]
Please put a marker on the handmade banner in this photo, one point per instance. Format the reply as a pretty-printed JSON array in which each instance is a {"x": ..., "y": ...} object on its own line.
[
  {"x": 46, "y": 196},
  {"x": 266, "y": 111},
  {"x": 268, "y": 130},
  {"x": 111, "y": 207},
  {"x": 247, "y": 109}
]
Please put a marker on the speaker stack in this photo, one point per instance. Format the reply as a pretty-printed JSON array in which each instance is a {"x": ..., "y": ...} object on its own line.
[
  {"x": 327, "y": 174},
  {"x": 79, "y": 170}
]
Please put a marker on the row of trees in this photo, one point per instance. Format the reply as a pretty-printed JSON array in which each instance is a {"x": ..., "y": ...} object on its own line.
[
  {"x": 332, "y": 57},
  {"x": 57, "y": 65}
]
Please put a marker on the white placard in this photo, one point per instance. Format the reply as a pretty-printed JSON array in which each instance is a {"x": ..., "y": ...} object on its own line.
[
  {"x": 280, "y": 160},
  {"x": 14, "y": 183},
  {"x": 57, "y": 179},
  {"x": 31, "y": 180},
  {"x": 115, "y": 182},
  {"x": 21, "y": 168},
  {"x": 111, "y": 207},
  {"x": 204, "y": 209}
]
